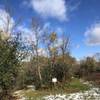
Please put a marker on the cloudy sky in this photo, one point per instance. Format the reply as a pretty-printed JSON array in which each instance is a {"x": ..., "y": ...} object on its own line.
[{"x": 78, "y": 18}]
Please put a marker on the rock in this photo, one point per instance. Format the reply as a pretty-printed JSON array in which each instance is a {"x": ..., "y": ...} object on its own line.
[{"x": 92, "y": 94}]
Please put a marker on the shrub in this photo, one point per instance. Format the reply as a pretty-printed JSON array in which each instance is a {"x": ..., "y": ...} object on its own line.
[{"x": 59, "y": 70}]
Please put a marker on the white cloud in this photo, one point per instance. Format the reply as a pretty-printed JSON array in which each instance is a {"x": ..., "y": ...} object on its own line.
[
  {"x": 6, "y": 21},
  {"x": 47, "y": 8},
  {"x": 57, "y": 9},
  {"x": 93, "y": 35}
]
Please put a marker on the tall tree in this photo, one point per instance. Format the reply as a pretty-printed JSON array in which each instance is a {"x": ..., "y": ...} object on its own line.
[{"x": 36, "y": 46}]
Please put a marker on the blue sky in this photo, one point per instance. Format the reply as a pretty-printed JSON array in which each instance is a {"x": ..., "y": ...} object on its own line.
[{"x": 79, "y": 18}]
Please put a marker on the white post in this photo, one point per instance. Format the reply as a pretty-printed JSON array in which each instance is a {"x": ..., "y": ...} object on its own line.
[{"x": 54, "y": 81}]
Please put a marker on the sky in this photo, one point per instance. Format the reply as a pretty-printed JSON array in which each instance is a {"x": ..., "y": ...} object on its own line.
[{"x": 80, "y": 19}]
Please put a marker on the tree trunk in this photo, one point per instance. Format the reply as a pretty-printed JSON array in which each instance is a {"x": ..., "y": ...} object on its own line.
[{"x": 38, "y": 68}]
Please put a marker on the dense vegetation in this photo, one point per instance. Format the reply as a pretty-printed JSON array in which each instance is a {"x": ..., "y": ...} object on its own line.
[{"x": 10, "y": 58}]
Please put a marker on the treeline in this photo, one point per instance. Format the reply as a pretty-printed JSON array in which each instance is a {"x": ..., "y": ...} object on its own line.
[{"x": 89, "y": 69}]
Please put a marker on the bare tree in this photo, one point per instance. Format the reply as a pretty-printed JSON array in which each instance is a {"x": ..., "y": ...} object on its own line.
[
  {"x": 36, "y": 46},
  {"x": 65, "y": 45}
]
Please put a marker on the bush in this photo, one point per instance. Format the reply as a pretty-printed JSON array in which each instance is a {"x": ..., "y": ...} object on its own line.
[{"x": 59, "y": 70}]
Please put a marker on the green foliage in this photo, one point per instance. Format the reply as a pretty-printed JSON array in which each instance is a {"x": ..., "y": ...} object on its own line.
[
  {"x": 59, "y": 70},
  {"x": 10, "y": 57}
]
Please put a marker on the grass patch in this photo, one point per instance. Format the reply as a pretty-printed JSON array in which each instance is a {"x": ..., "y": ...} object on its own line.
[
  {"x": 77, "y": 85},
  {"x": 35, "y": 95}
]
